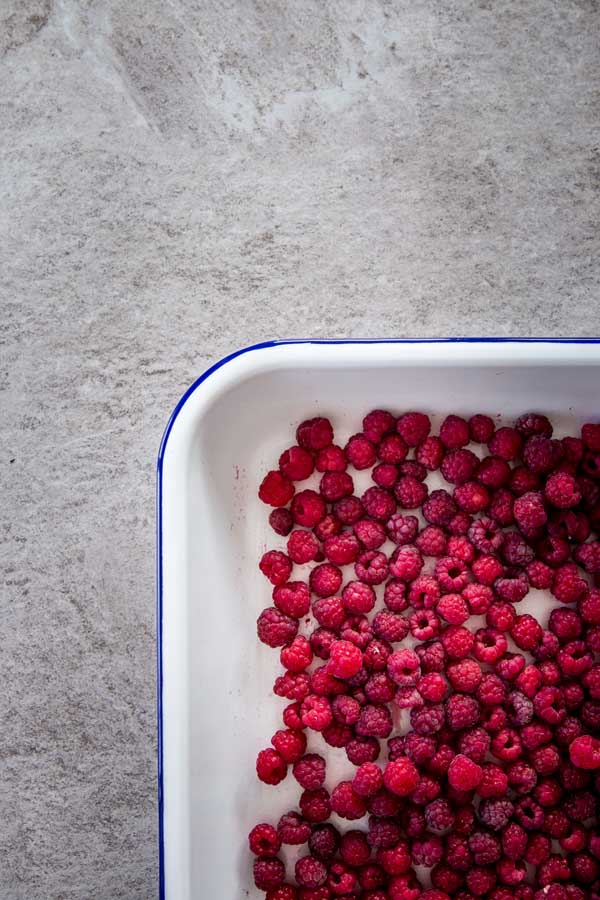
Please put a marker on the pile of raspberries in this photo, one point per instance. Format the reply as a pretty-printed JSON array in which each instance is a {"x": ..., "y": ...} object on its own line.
[{"x": 473, "y": 728}]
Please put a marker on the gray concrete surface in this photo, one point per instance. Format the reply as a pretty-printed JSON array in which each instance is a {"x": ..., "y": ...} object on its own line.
[{"x": 182, "y": 178}]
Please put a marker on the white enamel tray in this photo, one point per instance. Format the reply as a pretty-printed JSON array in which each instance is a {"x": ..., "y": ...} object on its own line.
[{"x": 215, "y": 703}]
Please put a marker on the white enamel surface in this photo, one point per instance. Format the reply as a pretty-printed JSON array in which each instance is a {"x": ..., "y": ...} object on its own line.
[{"x": 217, "y": 701}]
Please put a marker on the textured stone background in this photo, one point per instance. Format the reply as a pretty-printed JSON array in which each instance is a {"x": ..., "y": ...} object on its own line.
[{"x": 179, "y": 179}]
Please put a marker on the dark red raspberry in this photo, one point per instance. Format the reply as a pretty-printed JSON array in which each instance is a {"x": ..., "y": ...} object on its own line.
[
  {"x": 585, "y": 752},
  {"x": 362, "y": 749},
  {"x": 481, "y": 428},
  {"x": 390, "y": 626},
  {"x": 302, "y": 547},
  {"x": 282, "y": 892},
  {"x": 556, "y": 868},
  {"x": 430, "y": 453},
  {"x": 331, "y": 459},
  {"x": 324, "y": 842},
  {"x": 495, "y": 813},
  {"x": 316, "y": 712},
  {"x": 490, "y": 645},
  {"x": 264, "y": 840},
  {"x": 337, "y": 735},
  {"x": 310, "y": 872},
  {"x": 439, "y": 816},
  {"x": 505, "y": 443},
  {"x": 562, "y": 490},
  {"x": 428, "y": 852},
  {"x": 568, "y": 584},
  {"x": 308, "y": 508},
  {"x": 336, "y": 485},
  {"x": 357, "y": 630},
  {"x": 325, "y": 580},
  {"x": 392, "y": 449},
  {"x": 485, "y": 847},
  {"x": 323, "y": 684},
  {"x": 368, "y": 780},
  {"x": 370, "y": 533},
  {"x": 493, "y": 472},
  {"x": 371, "y": 567},
  {"x": 413, "y": 468},
  {"x": 268, "y": 873},
  {"x": 529, "y": 511},
  {"x": 457, "y": 641},
  {"x": 471, "y": 497},
  {"x": 487, "y": 569},
  {"x": 533, "y": 423},
  {"x": 384, "y": 804},
  {"x": 377, "y": 423},
  {"x": 554, "y": 551},
  {"x": 346, "y": 802},
  {"x": 342, "y": 881},
  {"x": 358, "y": 597},
  {"x": 410, "y": 493},
  {"x": 454, "y": 432},
  {"x": 501, "y": 507},
  {"x": 270, "y": 766},
  {"x": 588, "y": 556},
  {"x": 460, "y": 523},
  {"x": 274, "y": 628},
  {"x": 329, "y": 526},
  {"x": 432, "y": 541},
  {"x": 424, "y": 625},
  {"x": 413, "y": 427},
  {"x": 523, "y": 480},
  {"x": 453, "y": 608},
  {"x": 401, "y": 777},
  {"x": 378, "y": 503},
  {"x": 314, "y": 434},
  {"x": 506, "y": 745},
  {"x": 289, "y": 744},
  {"x": 374, "y": 721},
  {"x": 354, "y": 848},
  {"x": 315, "y": 805},
  {"x": 309, "y": 771},
  {"x": 376, "y": 655},
  {"x": 403, "y": 667},
  {"x": 281, "y": 521},
  {"x": 385, "y": 475},
  {"x": 494, "y": 782},
  {"x": 348, "y": 510},
  {"x": 464, "y": 774},
  {"x": 402, "y": 529},
  {"x": 432, "y": 656},
  {"x": 439, "y": 508},
  {"x": 526, "y": 632},
  {"x": 296, "y": 464},
  {"x": 485, "y": 535},
  {"x": 474, "y": 743},
  {"x": 383, "y": 833},
  {"x": 514, "y": 840},
  {"x": 292, "y": 599},
  {"x": 542, "y": 454},
  {"x": 459, "y": 466},
  {"x": 515, "y": 550},
  {"x": 329, "y": 612},
  {"x": 462, "y": 711},
  {"x": 590, "y": 435},
  {"x": 276, "y": 566},
  {"x": 510, "y": 666},
  {"x": 276, "y": 489},
  {"x": 371, "y": 878},
  {"x": 540, "y": 575},
  {"x": 464, "y": 675},
  {"x": 360, "y": 452},
  {"x": 395, "y": 860},
  {"x": 588, "y": 607}
]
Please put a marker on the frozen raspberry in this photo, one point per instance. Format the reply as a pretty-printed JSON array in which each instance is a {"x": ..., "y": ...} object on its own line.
[
  {"x": 562, "y": 490},
  {"x": 495, "y": 813},
  {"x": 465, "y": 675},
  {"x": 533, "y": 423},
  {"x": 314, "y": 434},
  {"x": 378, "y": 503},
  {"x": 428, "y": 852},
  {"x": 439, "y": 816},
  {"x": 316, "y": 712},
  {"x": 392, "y": 449},
  {"x": 348, "y": 510},
  {"x": 293, "y": 829},
  {"x": 460, "y": 523},
  {"x": 337, "y": 735},
  {"x": 413, "y": 427},
  {"x": 346, "y": 802},
  {"x": 505, "y": 443},
  {"x": 471, "y": 497},
  {"x": 315, "y": 805},
  {"x": 324, "y": 842},
  {"x": 281, "y": 521},
  {"x": 296, "y": 464},
  {"x": 485, "y": 847},
  {"x": 570, "y": 524},
  {"x": 588, "y": 556},
  {"x": 428, "y": 719},
  {"x": 344, "y": 659},
  {"x": 439, "y": 508},
  {"x": 385, "y": 475},
  {"x": 358, "y": 597},
  {"x": 526, "y": 632},
  {"x": 276, "y": 566},
  {"x": 457, "y": 641},
  {"x": 310, "y": 872},
  {"x": 309, "y": 771},
  {"x": 501, "y": 507},
  {"x": 403, "y": 667},
  {"x": 462, "y": 711},
  {"x": 541, "y": 454},
  {"x": 494, "y": 782},
  {"x": 540, "y": 575},
  {"x": 325, "y": 580},
  {"x": 264, "y": 840},
  {"x": 289, "y": 744},
  {"x": 485, "y": 535},
  {"x": 481, "y": 428},
  {"x": 384, "y": 804},
  {"x": 432, "y": 541},
  {"x": 274, "y": 628},
  {"x": 362, "y": 749},
  {"x": 360, "y": 452},
  {"x": 268, "y": 873},
  {"x": 459, "y": 466},
  {"x": 377, "y": 423},
  {"x": 515, "y": 550},
  {"x": 329, "y": 526},
  {"x": 331, "y": 459},
  {"x": 374, "y": 721},
  {"x": 354, "y": 849},
  {"x": 402, "y": 529},
  {"x": 376, "y": 655},
  {"x": 522, "y": 480},
  {"x": 419, "y": 748},
  {"x": 401, "y": 777},
  {"x": 270, "y": 766},
  {"x": 474, "y": 743},
  {"x": 383, "y": 833}
]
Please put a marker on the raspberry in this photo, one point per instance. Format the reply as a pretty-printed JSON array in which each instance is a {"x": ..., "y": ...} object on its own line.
[
  {"x": 362, "y": 749},
  {"x": 432, "y": 541},
  {"x": 585, "y": 869},
  {"x": 432, "y": 656},
  {"x": 344, "y": 659},
  {"x": 424, "y": 625},
  {"x": 281, "y": 521},
  {"x": 481, "y": 428},
  {"x": 292, "y": 599},
  {"x": 568, "y": 584},
  {"x": 405, "y": 563},
  {"x": 459, "y": 466},
  {"x": 485, "y": 847},
  {"x": 323, "y": 684},
  {"x": 554, "y": 551},
  {"x": 264, "y": 840},
  {"x": 494, "y": 782},
  {"x": 360, "y": 452},
  {"x": 302, "y": 547},
  {"x": 341, "y": 880},
  {"x": 268, "y": 873},
  {"x": 588, "y": 556},
  {"x": 291, "y": 717},
  {"x": 471, "y": 497},
  {"x": 310, "y": 872},
  {"x": 314, "y": 434},
  {"x": 403, "y": 667},
  {"x": 346, "y": 802},
  {"x": 529, "y": 512},
  {"x": 412, "y": 469},
  {"x": 428, "y": 852},
  {"x": 590, "y": 435},
  {"x": 433, "y": 687},
  {"x": 374, "y": 721},
  {"x": 413, "y": 427},
  {"x": 540, "y": 575},
  {"x": 383, "y": 833},
  {"x": 462, "y": 711},
  {"x": 354, "y": 849},
  {"x": 464, "y": 675},
  {"x": 337, "y": 735},
  {"x": 370, "y": 533},
  {"x": 395, "y": 860},
  {"x": 526, "y": 632},
  {"x": 493, "y": 472},
  {"x": 506, "y": 745},
  {"x": 336, "y": 485},
  {"x": 309, "y": 771},
  {"x": 515, "y": 550},
  {"x": 324, "y": 842},
  {"x": 308, "y": 508},
  {"x": 325, "y": 580},
  {"x": 376, "y": 655},
  {"x": 529, "y": 681},
  {"x": 541, "y": 454},
  {"x": 371, "y": 567},
  {"x": 452, "y": 573},
  {"x": 453, "y": 608},
  {"x": 384, "y": 804},
  {"x": 459, "y": 523},
  {"x": 270, "y": 766},
  {"x": 282, "y": 892},
  {"x": 538, "y": 849},
  {"x": 439, "y": 816},
  {"x": 585, "y": 752},
  {"x": 401, "y": 777},
  {"x": 505, "y": 443},
  {"x": 457, "y": 641},
  {"x": 454, "y": 432},
  {"x": 464, "y": 774},
  {"x": 296, "y": 464},
  {"x": 474, "y": 744},
  {"x": 588, "y": 607},
  {"x": 358, "y": 597},
  {"x": 487, "y": 569},
  {"x": 371, "y": 877},
  {"x": 331, "y": 459},
  {"x": 368, "y": 780},
  {"x": 510, "y": 666},
  {"x": 556, "y": 868},
  {"x": 377, "y": 423},
  {"x": 315, "y": 805},
  {"x": 276, "y": 489},
  {"x": 392, "y": 449},
  {"x": 490, "y": 645},
  {"x": 274, "y": 628},
  {"x": 348, "y": 510},
  {"x": 562, "y": 490},
  {"x": 574, "y": 661},
  {"x": 289, "y": 744},
  {"x": 439, "y": 508},
  {"x": 390, "y": 626},
  {"x": 520, "y": 709},
  {"x": 329, "y": 612},
  {"x": 514, "y": 840},
  {"x": 385, "y": 475},
  {"x": 523, "y": 480},
  {"x": 297, "y": 656},
  {"x": 276, "y": 566},
  {"x": 329, "y": 526},
  {"x": 357, "y": 630},
  {"x": 480, "y": 881},
  {"x": 493, "y": 719},
  {"x": 529, "y": 814},
  {"x": 316, "y": 712},
  {"x": 495, "y": 813}
]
